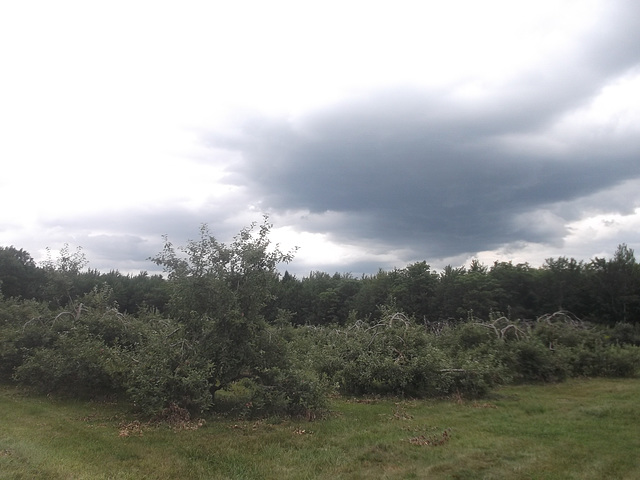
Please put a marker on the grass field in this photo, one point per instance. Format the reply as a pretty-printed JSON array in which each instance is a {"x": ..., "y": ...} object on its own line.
[{"x": 581, "y": 429}]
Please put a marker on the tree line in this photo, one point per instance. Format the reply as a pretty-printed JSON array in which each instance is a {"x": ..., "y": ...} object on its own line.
[
  {"x": 602, "y": 290},
  {"x": 605, "y": 291}
]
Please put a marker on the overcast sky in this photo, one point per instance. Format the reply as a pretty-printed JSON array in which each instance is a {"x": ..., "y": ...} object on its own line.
[{"x": 374, "y": 133}]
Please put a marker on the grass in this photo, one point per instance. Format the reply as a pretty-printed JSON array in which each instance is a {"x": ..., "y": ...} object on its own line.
[{"x": 581, "y": 429}]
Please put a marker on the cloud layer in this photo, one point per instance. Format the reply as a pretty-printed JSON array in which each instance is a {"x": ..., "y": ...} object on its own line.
[
  {"x": 374, "y": 134},
  {"x": 444, "y": 172}
]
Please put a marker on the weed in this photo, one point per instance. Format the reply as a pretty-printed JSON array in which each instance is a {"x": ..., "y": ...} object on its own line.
[
  {"x": 131, "y": 429},
  {"x": 434, "y": 440},
  {"x": 178, "y": 418},
  {"x": 400, "y": 413}
]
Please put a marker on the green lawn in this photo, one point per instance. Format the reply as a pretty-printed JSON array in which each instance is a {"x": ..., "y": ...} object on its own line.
[{"x": 581, "y": 429}]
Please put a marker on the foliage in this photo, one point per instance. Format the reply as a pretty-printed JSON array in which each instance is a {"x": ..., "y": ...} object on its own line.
[
  {"x": 61, "y": 274},
  {"x": 163, "y": 369},
  {"x": 224, "y": 325},
  {"x": 218, "y": 294},
  {"x": 212, "y": 278},
  {"x": 531, "y": 360},
  {"x": 75, "y": 350},
  {"x": 603, "y": 291},
  {"x": 77, "y": 362},
  {"x": 396, "y": 356},
  {"x": 615, "y": 286},
  {"x": 20, "y": 331},
  {"x": 19, "y": 276}
]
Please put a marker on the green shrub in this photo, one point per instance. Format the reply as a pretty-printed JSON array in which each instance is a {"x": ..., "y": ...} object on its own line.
[
  {"x": 566, "y": 334},
  {"x": 292, "y": 393},
  {"x": 625, "y": 334},
  {"x": 467, "y": 336},
  {"x": 603, "y": 360},
  {"x": 21, "y": 329},
  {"x": 395, "y": 356},
  {"x": 481, "y": 370},
  {"x": 531, "y": 360},
  {"x": 163, "y": 368},
  {"x": 621, "y": 361},
  {"x": 77, "y": 362}
]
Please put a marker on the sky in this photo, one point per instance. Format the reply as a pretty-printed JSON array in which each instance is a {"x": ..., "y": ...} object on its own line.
[{"x": 373, "y": 133}]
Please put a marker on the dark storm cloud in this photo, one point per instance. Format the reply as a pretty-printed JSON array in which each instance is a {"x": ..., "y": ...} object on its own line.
[
  {"x": 409, "y": 178},
  {"x": 431, "y": 171}
]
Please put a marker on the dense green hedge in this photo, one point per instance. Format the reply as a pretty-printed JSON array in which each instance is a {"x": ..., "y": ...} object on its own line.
[{"x": 151, "y": 360}]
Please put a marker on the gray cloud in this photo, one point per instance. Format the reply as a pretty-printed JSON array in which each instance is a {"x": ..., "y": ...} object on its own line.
[
  {"x": 126, "y": 239},
  {"x": 445, "y": 187},
  {"x": 427, "y": 171}
]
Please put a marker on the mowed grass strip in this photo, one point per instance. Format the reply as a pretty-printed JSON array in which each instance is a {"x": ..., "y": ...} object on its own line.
[{"x": 581, "y": 429}]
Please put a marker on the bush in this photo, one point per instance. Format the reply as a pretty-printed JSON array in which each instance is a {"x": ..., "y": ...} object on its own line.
[
  {"x": 163, "y": 369},
  {"x": 77, "y": 363},
  {"x": 21, "y": 329},
  {"x": 565, "y": 334},
  {"x": 293, "y": 393},
  {"x": 90, "y": 348},
  {"x": 467, "y": 336},
  {"x": 395, "y": 356},
  {"x": 531, "y": 360},
  {"x": 625, "y": 334},
  {"x": 70, "y": 351},
  {"x": 621, "y": 361},
  {"x": 605, "y": 360}
]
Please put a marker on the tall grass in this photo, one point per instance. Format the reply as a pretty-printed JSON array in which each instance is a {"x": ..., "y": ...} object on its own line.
[{"x": 581, "y": 429}]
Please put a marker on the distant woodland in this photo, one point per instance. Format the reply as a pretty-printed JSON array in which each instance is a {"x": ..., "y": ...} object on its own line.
[{"x": 604, "y": 291}]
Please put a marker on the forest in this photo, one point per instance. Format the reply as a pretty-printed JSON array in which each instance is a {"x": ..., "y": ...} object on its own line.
[{"x": 223, "y": 324}]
